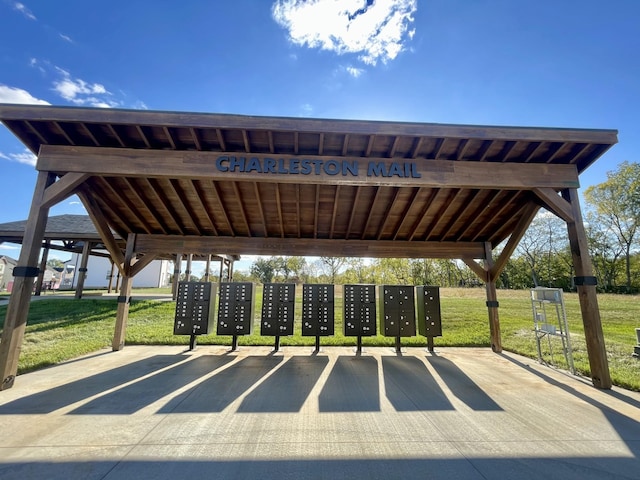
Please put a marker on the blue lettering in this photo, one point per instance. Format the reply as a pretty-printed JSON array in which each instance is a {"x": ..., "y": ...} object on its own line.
[
  {"x": 395, "y": 169},
  {"x": 220, "y": 166},
  {"x": 294, "y": 164},
  {"x": 351, "y": 168},
  {"x": 281, "y": 168},
  {"x": 236, "y": 163},
  {"x": 269, "y": 165},
  {"x": 376, "y": 169},
  {"x": 305, "y": 167},
  {"x": 318, "y": 165},
  {"x": 332, "y": 167},
  {"x": 253, "y": 165},
  {"x": 414, "y": 171}
]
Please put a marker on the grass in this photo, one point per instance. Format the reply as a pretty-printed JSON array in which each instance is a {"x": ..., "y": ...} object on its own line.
[{"x": 60, "y": 329}]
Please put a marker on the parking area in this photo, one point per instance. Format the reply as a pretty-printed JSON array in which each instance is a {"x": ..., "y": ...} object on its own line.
[{"x": 461, "y": 413}]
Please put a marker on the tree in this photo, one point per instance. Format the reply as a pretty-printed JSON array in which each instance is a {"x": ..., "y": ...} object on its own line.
[
  {"x": 264, "y": 269},
  {"x": 331, "y": 266},
  {"x": 617, "y": 205}
]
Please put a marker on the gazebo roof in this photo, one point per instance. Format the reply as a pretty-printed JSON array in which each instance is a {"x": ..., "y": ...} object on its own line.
[{"x": 190, "y": 182}]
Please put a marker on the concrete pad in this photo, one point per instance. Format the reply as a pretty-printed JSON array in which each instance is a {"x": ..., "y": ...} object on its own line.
[{"x": 460, "y": 413}]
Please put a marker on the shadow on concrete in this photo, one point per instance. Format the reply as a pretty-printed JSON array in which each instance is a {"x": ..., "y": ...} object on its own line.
[
  {"x": 352, "y": 386},
  {"x": 134, "y": 397},
  {"x": 461, "y": 385},
  {"x": 216, "y": 393},
  {"x": 288, "y": 388},
  {"x": 532, "y": 468},
  {"x": 409, "y": 386},
  {"x": 53, "y": 399}
]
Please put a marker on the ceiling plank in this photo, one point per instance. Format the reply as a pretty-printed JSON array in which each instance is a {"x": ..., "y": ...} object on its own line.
[
  {"x": 353, "y": 211},
  {"x": 386, "y": 216},
  {"x": 256, "y": 189},
  {"x": 336, "y": 202},
  {"x": 243, "y": 212},
  {"x": 423, "y": 213},
  {"x": 443, "y": 213},
  {"x": 405, "y": 214}
]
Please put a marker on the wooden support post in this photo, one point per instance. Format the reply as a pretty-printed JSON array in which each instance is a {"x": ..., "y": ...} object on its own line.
[
  {"x": 221, "y": 270},
  {"x": 82, "y": 271},
  {"x": 122, "y": 314},
  {"x": 231, "y": 262},
  {"x": 176, "y": 276},
  {"x": 43, "y": 269},
  {"x": 492, "y": 302},
  {"x": 187, "y": 272},
  {"x": 586, "y": 285},
  {"x": 207, "y": 273},
  {"x": 113, "y": 266},
  {"x": 18, "y": 308}
]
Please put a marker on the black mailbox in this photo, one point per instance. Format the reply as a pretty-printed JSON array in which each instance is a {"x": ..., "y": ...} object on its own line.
[
  {"x": 195, "y": 308},
  {"x": 236, "y": 307},
  {"x": 429, "y": 320},
  {"x": 397, "y": 310},
  {"x": 317, "y": 310},
  {"x": 359, "y": 310},
  {"x": 278, "y": 309}
]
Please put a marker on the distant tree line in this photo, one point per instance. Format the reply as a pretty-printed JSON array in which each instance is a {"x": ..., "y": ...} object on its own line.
[{"x": 543, "y": 258}]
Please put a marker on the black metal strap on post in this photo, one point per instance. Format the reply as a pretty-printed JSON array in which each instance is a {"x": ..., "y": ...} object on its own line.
[
  {"x": 82, "y": 269},
  {"x": 585, "y": 280},
  {"x": 493, "y": 303},
  {"x": 26, "y": 272},
  {"x": 124, "y": 299}
]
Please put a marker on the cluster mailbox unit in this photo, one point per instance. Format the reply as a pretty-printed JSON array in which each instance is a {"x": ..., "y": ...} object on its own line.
[
  {"x": 194, "y": 309},
  {"x": 359, "y": 312},
  {"x": 235, "y": 311},
  {"x": 400, "y": 306},
  {"x": 278, "y": 309},
  {"x": 318, "y": 305}
]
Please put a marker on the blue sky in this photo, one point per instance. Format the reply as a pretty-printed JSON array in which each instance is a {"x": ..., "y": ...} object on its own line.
[{"x": 547, "y": 63}]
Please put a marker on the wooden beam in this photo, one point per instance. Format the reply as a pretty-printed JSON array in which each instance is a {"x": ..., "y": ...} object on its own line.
[
  {"x": 18, "y": 309},
  {"x": 194, "y": 164},
  {"x": 555, "y": 203},
  {"x": 523, "y": 224},
  {"x": 586, "y": 287},
  {"x": 101, "y": 225},
  {"x": 477, "y": 269},
  {"x": 162, "y": 244},
  {"x": 63, "y": 188}
]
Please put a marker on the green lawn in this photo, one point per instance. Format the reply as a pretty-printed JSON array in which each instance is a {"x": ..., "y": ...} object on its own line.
[{"x": 60, "y": 329}]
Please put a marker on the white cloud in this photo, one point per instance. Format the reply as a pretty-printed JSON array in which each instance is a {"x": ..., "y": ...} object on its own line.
[
  {"x": 66, "y": 38},
  {"x": 306, "y": 110},
  {"x": 25, "y": 157},
  {"x": 78, "y": 91},
  {"x": 354, "y": 72},
  {"x": 20, "y": 7},
  {"x": 17, "y": 95},
  {"x": 376, "y": 30}
]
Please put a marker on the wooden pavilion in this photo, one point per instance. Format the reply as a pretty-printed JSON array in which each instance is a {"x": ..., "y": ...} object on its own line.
[{"x": 191, "y": 183}]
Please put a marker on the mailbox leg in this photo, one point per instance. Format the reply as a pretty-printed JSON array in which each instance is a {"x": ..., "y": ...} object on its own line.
[
  {"x": 317, "y": 343},
  {"x": 359, "y": 346},
  {"x": 398, "y": 345},
  {"x": 192, "y": 341},
  {"x": 430, "y": 344},
  {"x": 276, "y": 345},
  {"x": 234, "y": 343}
]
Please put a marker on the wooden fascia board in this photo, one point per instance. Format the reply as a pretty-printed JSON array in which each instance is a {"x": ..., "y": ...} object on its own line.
[
  {"x": 302, "y": 125},
  {"x": 162, "y": 244},
  {"x": 553, "y": 202},
  {"x": 193, "y": 164}
]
